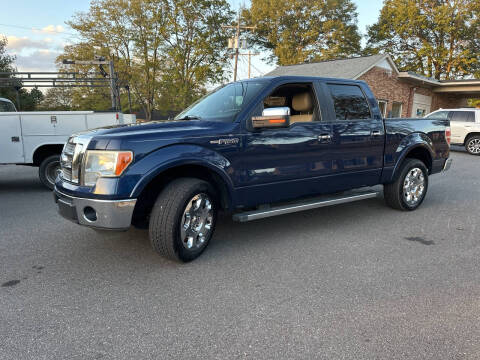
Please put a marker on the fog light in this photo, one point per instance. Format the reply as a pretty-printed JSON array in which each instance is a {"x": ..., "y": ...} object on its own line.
[{"x": 90, "y": 214}]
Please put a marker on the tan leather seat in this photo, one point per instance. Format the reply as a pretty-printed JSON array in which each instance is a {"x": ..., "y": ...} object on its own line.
[{"x": 302, "y": 103}]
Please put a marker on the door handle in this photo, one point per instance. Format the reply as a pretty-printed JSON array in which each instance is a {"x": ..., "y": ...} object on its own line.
[
  {"x": 324, "y": 137},
  {"x": 376, "y": 133},
  {"x": 15, "y": 139}
]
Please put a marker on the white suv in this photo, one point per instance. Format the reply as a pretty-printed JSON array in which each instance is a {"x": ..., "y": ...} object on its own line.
[{"x": 465, "y": 124}]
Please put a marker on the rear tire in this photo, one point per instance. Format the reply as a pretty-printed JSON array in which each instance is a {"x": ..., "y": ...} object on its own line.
[
  {"x": 409, "y": 189},
  {"x": 48, "y": 171},
  {"x": 472, "y": 145},
  {"x": 183, "y": 219}
]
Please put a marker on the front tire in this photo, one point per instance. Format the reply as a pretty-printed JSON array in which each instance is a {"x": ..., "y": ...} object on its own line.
[
  {"x": 472, "y": 145},
  {"x": 49, "y": 170},
  {"x": 183, "y": 219},
  {"x": 409, "y": 189}
]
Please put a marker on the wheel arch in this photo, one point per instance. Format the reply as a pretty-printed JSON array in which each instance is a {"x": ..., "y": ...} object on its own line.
[
  {"x": 148, "y": 191},
  {"x": 418, "y": 151},
  {"x": 470, "y": 135},
  {"x": 45, "y": 150}
]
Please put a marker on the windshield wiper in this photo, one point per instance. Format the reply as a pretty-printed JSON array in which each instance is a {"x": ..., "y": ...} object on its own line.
[{"x": 190, "y": 117}]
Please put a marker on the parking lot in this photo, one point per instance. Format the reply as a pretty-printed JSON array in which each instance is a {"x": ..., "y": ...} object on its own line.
[{"x": 355, "y": 281}]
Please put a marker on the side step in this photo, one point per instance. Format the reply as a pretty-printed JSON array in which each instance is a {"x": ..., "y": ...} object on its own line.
[{"x": 305, "y": 205}]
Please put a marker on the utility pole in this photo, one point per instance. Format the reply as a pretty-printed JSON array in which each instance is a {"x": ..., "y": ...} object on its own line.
[
  {"x": 236, "y": 41},
  {"x": 249, "y": 54}
]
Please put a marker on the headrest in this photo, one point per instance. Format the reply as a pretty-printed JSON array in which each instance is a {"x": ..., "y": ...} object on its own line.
[{"x": 302, "y": 102}]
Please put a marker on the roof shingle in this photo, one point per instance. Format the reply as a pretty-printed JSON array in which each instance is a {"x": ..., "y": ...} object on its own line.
[{"x": 344, "y": 68}]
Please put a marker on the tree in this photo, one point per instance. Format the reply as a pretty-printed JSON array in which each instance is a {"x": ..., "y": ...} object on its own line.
[
  {"x": 29, "y": 101},
  {"x": 296, "y": 31},
  {"x": 436, "y": 38},
  {"x": 165, "y": 50},
  {"x": 7, "y": 65},
  {"x": 57, "y": 99}
]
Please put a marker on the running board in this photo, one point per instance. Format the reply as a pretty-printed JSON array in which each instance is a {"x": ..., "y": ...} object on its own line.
[{"x": 305, "y": 205}]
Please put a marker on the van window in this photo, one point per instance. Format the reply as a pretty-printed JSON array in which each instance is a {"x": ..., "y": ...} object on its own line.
[
  {"x": 349, "y": 102},
  {"x": 6, "y": 106}
]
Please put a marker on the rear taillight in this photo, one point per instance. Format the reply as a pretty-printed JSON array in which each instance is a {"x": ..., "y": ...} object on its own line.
[{"x": 448, "y": 134}]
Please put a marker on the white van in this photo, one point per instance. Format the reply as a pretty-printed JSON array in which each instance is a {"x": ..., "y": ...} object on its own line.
[
  {"x": 37, "y": 138},
  {"x": 465, "y": 125}
]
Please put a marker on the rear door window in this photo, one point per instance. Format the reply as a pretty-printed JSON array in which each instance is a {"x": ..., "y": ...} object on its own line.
[
  {"x": 349, "y": 101},
  {"x": 462, "y": 116}
]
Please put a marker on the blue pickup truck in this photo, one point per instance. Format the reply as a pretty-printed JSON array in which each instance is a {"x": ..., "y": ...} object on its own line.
[{"x": 253, "y": 148}]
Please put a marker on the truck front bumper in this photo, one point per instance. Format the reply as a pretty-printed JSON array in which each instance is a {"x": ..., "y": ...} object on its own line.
[{"x": 101, "y": 214}]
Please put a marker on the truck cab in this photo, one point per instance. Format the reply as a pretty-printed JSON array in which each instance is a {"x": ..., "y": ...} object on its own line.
[{"x": 255, "y": 148}]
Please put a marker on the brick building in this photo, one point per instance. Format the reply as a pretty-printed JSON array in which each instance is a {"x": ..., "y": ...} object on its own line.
[{"x": 399, "y": 94}]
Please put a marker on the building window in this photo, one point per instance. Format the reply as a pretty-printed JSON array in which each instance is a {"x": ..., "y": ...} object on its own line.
[
  {"x": 382, "y": 104},
  {"x": 396, "y": 110}
]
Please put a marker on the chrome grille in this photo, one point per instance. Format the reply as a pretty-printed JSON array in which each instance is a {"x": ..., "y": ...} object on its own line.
[{"x": 70, "y": 161}]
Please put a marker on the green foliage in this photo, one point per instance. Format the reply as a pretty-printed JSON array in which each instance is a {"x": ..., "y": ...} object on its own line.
[
  {"x": 6, "y": 65},
  {"x": 57, "y": 99},
  {"x": 165, "y": 50},
  {"x": 436, "y": 38},
  {"x": 29, "y": 100},
  {"x": 296, "y": 31}
]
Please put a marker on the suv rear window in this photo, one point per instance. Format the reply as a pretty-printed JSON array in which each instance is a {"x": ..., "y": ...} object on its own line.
[
  {"x": 462, "y": 116},
  {"x": 349, "y": 102}
]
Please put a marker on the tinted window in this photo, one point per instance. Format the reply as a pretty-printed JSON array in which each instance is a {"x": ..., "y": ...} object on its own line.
[
  {"x": 349, "y": 102},
  {"x": 463, "y": 116},
  {"x": 224, "y": 103},
  {"x": 443, "y": 115}
]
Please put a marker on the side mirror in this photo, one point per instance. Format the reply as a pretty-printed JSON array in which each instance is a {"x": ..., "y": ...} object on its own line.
[{"x": 277, "y": 117}]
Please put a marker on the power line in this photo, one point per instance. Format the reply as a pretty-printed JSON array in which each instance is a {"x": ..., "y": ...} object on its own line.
[{"x": 37, "y": 29}]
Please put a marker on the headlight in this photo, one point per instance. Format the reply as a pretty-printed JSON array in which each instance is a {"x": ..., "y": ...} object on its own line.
[{"x": 104, "y": 164}]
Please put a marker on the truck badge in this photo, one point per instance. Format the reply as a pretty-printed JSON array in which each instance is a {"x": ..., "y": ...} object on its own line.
[{"x": 231, "y": 141}]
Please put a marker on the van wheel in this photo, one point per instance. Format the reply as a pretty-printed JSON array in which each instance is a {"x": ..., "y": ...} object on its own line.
[
  {"x": 473, "y": 145},
  {"x": 49, "y": 170},
  {"x": 409, "y": 189},
  {"x": 183, "y": 219}
]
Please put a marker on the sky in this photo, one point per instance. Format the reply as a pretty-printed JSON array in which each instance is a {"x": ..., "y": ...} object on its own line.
[{"x": 37, "y": 32}]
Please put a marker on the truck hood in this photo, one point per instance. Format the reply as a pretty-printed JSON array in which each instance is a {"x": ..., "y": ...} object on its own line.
[
  {"x": 160, "y": 129},
  {"x": 156, "y": 133}
]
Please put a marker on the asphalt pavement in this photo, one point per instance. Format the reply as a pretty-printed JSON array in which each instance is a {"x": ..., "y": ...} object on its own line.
[{"x": 354, "y": 281}]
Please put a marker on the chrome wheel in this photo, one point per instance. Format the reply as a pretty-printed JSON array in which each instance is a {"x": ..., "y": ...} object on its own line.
[
  {"x": 197, "y": 222},
  {"x": 52, "y": 171},
  {"x": 414, "y": 186},
  {"x": 474, "y": 146}
]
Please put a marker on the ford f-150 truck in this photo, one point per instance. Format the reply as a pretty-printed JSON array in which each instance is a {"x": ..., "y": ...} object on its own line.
[{"x": 254, "y": 148}]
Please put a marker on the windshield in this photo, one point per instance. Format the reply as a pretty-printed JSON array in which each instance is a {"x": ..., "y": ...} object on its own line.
[
  {"x": 6, "y": 106},
  {"x": 224, "y": 103}
]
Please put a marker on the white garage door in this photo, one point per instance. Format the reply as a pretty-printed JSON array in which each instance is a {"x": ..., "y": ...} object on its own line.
[{"x": 421, "y": 105}]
